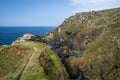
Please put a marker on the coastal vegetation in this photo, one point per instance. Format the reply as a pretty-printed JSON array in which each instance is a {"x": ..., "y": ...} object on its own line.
[
  {"x": 93, "y": 45},
  {"x": 86, "y": 46},
  {"x": 30, "y": 61}
]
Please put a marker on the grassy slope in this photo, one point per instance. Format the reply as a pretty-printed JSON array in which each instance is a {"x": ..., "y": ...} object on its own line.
[
  {"x": 11, "y": 59},
  {"x": 44, "y": 65},
  {"x": 101, "y": 60},
  {"x": 91, "y": 21},
  {"x": 102, "y": 57}
]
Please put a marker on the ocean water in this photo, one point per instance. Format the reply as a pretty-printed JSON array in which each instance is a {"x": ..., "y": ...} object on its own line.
[{"x": 10, "y": 34}]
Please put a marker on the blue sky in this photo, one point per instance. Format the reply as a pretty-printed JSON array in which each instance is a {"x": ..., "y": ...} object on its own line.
[{"x": 46, "y": 12}]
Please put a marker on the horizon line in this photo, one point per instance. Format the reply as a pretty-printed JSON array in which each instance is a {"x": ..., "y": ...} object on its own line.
[{"x": 28, "y": 26}]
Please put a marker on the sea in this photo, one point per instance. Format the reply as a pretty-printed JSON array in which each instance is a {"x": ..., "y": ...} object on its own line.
[{"x": 10, "y": 34}]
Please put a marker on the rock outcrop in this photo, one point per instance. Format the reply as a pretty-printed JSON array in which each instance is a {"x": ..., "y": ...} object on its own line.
[{"x": 24, "y": 38}]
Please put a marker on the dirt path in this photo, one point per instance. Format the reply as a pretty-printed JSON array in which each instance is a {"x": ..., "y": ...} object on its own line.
[{"x": 27, "y": 65}]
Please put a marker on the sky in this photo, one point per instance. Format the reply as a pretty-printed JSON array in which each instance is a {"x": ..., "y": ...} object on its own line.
[{"x": 47, "y": 12}]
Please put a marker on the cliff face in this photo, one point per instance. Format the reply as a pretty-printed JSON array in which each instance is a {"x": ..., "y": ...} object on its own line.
[
  {"x": 92, "y": 39},
  {"x": 30, "y": 61},
  {"x": 87, "y": 25}
]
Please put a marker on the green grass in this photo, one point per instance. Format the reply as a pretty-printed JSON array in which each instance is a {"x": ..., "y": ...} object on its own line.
[
  {"x": 103, "y": 56},
  {"x": 8, "y": 61},
  {"x": 53, "y": 66},
  {"x": 14, "y": 58}
]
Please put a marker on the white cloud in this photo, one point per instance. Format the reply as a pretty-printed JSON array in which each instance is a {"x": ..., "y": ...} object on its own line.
[
  {"x": 77, "y": 2},
  {"x": 86, "y": 5}
]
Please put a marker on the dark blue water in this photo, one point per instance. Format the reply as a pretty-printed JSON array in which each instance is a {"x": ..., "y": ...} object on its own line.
[{"x": 10, "y": 34}]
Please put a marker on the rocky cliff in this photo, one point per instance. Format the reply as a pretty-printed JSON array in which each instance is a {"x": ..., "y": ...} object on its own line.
[{"x": 88, "y": 44}]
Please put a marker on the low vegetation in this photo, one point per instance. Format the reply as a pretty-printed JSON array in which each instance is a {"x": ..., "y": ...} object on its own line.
[
  {"x": 102, "y": 59},
  {"x": 93, "y": 38},
  {"x": 30, "y": 61}
]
